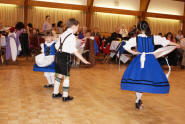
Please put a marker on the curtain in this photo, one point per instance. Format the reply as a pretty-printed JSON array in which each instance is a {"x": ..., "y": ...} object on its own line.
[
  {"x": 164, "y": 26},
  {"x": 36, "y": 15},
  {"x": 10, "y": 14},
  {"x": 107, "y": 22}
]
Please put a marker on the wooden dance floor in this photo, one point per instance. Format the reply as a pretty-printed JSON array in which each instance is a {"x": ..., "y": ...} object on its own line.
[{"x": 97, "y": 98}]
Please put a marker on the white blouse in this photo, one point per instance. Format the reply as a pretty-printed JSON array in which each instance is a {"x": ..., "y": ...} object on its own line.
[
  {"x": 69, "y": 45},
  {"x": 158, "y": 40}
]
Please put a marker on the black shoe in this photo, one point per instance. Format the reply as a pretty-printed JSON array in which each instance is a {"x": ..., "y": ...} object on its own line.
[
  {"x": 49, "y": 86},
  {"x": 65, "y": 99},
  {"x": 139, "y": 105},
  {"x": 57, "y": 95}
]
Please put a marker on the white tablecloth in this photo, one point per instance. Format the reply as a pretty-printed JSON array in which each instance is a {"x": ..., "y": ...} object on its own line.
[{"x": 114, "y": 45}]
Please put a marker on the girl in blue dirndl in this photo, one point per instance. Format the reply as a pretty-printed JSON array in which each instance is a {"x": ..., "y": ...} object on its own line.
[
  {"x": 144, "y": 74},
  {"x": 45, "y": 60}
]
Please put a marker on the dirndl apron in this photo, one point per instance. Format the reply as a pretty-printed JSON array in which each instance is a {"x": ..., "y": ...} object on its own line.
[{"x": 45, "y": 61}]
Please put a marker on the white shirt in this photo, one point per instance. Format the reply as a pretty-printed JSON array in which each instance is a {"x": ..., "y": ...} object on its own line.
[
  {"x": 158, "y": 40},
  {"x": 69, "y": 45}
]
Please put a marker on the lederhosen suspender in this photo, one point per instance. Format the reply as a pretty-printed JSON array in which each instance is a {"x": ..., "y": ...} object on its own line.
[{"x": 61, "y": 43}]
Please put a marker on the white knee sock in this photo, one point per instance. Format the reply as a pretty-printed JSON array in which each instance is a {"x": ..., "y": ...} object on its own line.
[
  {"x": 138, "y": 95},
  {"x": 65, "y": 87},
  {"x": 57, "y": 85},
  {"x": 52, "y": 77},
  {"x": 47, "y": 75}
]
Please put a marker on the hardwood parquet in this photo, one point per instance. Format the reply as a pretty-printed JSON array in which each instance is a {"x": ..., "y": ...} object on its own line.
[{"x": 97, "y": 98}]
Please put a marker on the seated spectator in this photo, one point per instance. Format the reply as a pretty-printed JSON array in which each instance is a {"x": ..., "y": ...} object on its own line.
[
  {"x": 83, "y": 46},
  {"x": 89, "y": 47},
  {"x": 54, "y": 28},
  {"x": 60, "y": 29},
  {"x": 84, "y": 31},
  {"x": 97, "y": 37},
  {"x": 35, "y": 41},
  {"x": 124, "y": 31},
  {"x": 96, "y": 32},
  {"x": 29, "y": 29},
  {"x": 132, "y": 28},
  {"x": 169, "y": 36},
  {"x": 115, "y": 35},
  {"x": 80, "y": 33},
  {"x": 132, "y": 33},
  {"x": 179, "y": 36}
]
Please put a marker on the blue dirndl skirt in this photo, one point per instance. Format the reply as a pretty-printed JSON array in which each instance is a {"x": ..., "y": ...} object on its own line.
[
  {"x": 150, "y": 79},
  {"x": 50, "y": 68}
]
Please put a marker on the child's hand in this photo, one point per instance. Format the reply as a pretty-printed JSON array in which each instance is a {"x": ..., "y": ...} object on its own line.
[
  {"x": 88, "y": 63},
  {"x": 136, "y": 53},
  {"x": 178, "y": 46}
]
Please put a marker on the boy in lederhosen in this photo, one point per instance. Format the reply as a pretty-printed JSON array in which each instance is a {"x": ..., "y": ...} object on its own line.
[{"x": 65, "y": 47}]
